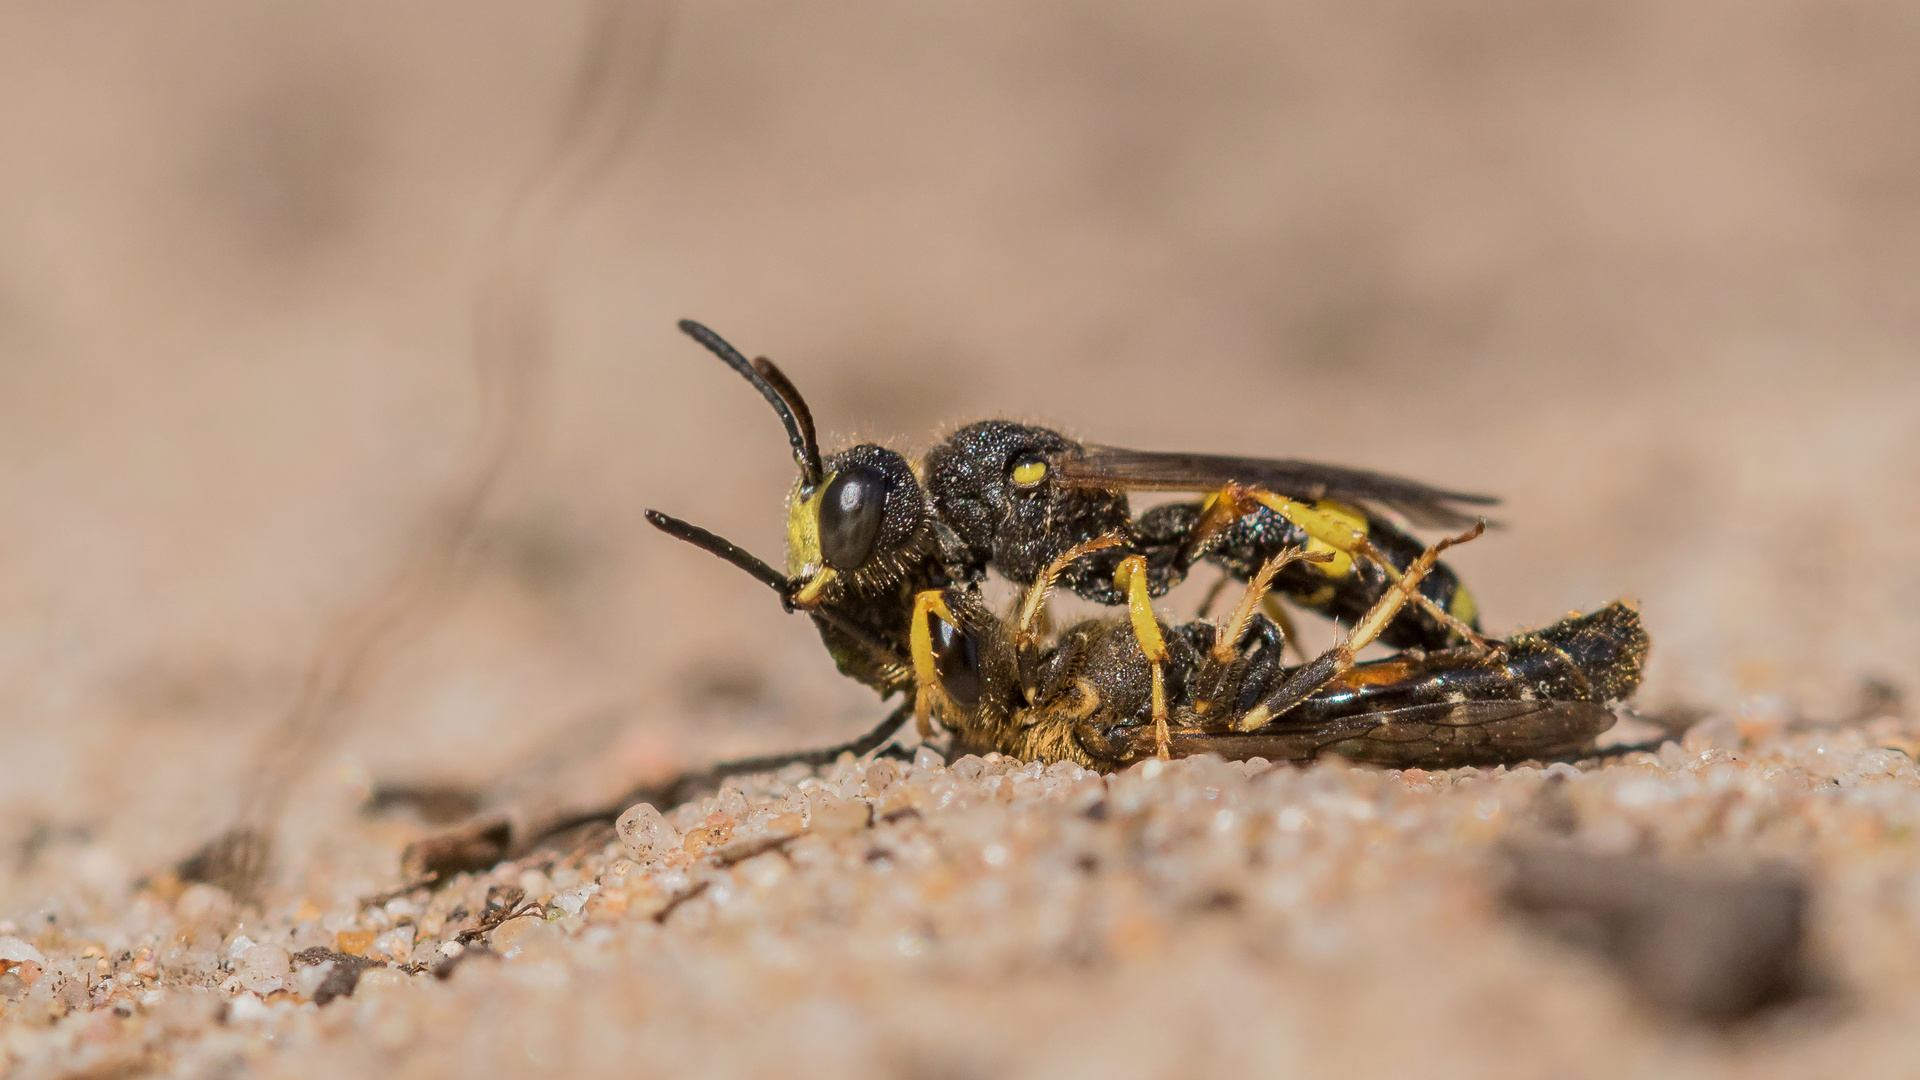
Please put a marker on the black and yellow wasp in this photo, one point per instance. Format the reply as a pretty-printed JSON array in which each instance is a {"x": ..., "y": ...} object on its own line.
[
  {"x": 1089, "y": 693},
  {"x": 887, "y": 560}
]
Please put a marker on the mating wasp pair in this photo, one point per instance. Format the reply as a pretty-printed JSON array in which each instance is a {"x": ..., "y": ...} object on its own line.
[{"x": 889, "y": 560}]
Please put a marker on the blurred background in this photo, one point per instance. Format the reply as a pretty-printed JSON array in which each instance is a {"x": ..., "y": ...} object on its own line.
[{"x": 1650, "y": 272}]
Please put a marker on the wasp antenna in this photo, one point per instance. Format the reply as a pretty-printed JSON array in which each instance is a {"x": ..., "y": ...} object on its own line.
[
  {"x": 718, "y": 545},
  {"x": 805, "y": 452},
  {"x": 780, "y": 583}
]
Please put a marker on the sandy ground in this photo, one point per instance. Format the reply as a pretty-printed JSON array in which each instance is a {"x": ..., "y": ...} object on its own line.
[{"x": 1648, "y": 273}]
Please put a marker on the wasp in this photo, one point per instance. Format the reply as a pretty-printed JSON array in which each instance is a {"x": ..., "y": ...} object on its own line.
[
  {"x": 867, "y": 531},
  {"x": 1092, "y": 694},
  {"x": 881, "y": 555}
]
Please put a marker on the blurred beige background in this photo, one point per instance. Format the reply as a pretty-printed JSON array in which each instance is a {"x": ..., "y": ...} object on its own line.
[{"x": 1651, "y": 272}]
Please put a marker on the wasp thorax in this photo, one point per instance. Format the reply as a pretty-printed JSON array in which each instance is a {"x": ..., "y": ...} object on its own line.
[{"x": 997, "y": 485}]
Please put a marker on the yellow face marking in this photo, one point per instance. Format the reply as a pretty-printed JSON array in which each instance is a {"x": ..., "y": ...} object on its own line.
[
  {"x": 803, "y": 542},
  {"x": 1029, "y": 473},
  {"x": 803, "y": 529}
]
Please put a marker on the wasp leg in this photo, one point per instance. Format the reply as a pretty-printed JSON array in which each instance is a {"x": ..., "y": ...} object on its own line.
[
  {"x": 1256, "y": 594},
  {"x": 1326, "y": 531},
  {"x": 1043, "y": 586},
  {"x": 1347, "y": 542},
  {"x": 1131, "y": 578},
  {"x": 927, "y": 604},
  {"x": 1226, "y": 644},
  {"x": 826, "y": 755},
  {"x": 1338, "y": 660}
]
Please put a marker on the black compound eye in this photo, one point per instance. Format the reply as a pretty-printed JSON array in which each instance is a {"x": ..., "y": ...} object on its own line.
[
  {"x": 956, "y": 659},
  {"x": 852, "y": 510}
]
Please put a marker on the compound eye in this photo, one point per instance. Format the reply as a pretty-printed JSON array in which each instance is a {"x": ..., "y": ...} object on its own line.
[
  {"x": 852, "y": 509},
  {"x": 956, "y": 659},
  {"x": 1029, "y": 470}
]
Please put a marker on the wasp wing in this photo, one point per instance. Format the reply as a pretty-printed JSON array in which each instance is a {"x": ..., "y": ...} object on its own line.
[
  {"x": 1114, "y": 467},
  {"x": 1439, "y": 735}
]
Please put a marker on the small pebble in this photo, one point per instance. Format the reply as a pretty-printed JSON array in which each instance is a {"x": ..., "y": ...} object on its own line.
[
  {"x": 396, "y": 945},
  {"x": 15, "y": 951},
  {"x": 263, "y": 968},
  {"x": 507, "y": 937},
  {"x": 646, "y": 832}
]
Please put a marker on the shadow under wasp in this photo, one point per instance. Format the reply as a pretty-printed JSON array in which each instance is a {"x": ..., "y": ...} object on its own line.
[{"x": 887, "y": 561}]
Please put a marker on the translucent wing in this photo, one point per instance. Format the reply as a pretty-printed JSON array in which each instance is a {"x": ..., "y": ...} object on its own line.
[
  {"x": 1433, "y": 736},
  {"x": 1113, "y": 467}
]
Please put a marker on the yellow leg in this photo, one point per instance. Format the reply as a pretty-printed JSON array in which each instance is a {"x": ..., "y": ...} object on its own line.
[
  {"x": 1217, "y": 511},
  {"x": 1132, "y": 577},
  {"x": 928, "y": 603},
  {"x": 1338, "y": 660},
  {"x": 1336, "y": 534},
  {"x": 1226, "y": 643},
  {"x": 1042, "y": 588}
]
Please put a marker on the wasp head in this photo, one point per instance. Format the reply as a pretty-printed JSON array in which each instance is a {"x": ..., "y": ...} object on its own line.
[
  {"x": 867, "y": 510},
  {"x": 855, "y": 521}
]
